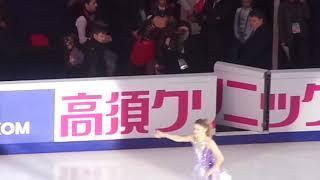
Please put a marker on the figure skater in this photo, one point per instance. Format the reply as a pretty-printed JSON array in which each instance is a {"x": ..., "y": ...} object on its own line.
[{"x": 209, "y": 156}]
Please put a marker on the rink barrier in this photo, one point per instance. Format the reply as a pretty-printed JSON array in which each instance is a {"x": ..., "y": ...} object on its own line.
[
  {"x": 295, "y": 100},
  {"x": 241, "y": 100},
  {"x": 112, "y": 110},
  {"x": 288, "y": 99}
]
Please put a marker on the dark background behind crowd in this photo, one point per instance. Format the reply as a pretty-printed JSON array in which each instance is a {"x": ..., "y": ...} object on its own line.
[{"x": 33, "y": 33}]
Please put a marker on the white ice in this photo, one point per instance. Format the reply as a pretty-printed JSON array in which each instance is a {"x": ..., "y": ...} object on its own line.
[{"x": 286, "y": 161}]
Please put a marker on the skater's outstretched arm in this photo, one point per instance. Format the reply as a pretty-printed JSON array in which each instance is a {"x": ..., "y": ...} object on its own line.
[{"x": 172, "y": 137}]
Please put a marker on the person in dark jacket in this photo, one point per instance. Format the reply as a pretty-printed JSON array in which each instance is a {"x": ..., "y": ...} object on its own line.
[
  {"x": 293, "y": 30},
  {"x": 257, "y": 50},
  {"x": 99, "y": 59},
  {"x": 217, "y": 17}
]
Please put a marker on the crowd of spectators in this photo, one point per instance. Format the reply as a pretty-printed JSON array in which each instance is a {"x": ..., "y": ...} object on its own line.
[{"x": 92, "y": 38}]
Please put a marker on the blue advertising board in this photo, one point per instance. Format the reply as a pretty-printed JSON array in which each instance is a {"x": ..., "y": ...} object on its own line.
[{"x": 26, "y": 116}]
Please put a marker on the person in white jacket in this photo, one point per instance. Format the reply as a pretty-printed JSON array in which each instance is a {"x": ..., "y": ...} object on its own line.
[{"x": 241, "y": 28}]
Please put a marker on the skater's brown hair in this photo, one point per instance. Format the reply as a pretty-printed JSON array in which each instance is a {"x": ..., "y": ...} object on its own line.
[{"x": 207, "y": 125}]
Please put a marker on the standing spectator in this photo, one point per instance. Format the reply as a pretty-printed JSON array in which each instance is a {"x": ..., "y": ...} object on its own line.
[
  {"x": 148, "y": 44},
  {"x": 187, "y": 12},
  {"x": 166, "y": 54},
  {"x": 174, "y": 56},
  {"x": 314, "y": 32},
  {"x": 242, "y": 29},
  {"x": 84, "y": 21},
  {"x": 100, "y": 60},
  {"x": 121, "y": 15},
  {"x": 165, "y": 8},
  {"x": 161, "y": 7},
  {"x": 139, "y": 15},
  {"x": 171, "y": 7},
  {"x": 217, "y": 27},
  {"x": 257, "y": 50},
  {"x": 192, "y": 12},
  {"x": 293, "y": 30},
  {"x": 267, "y": 7},
  {"x": 175, "y": 5},
  {"x": 74, "y": 42},
  {"x": 155, "y": 41}
]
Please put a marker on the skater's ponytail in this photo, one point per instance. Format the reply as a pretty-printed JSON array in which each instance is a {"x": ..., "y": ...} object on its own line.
[{"x": 206, "y": 124}]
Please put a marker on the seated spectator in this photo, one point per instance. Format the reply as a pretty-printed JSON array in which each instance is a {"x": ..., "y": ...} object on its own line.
[
  {"x": 257, "y": 50},
  {"x": 99, "y": 59}
]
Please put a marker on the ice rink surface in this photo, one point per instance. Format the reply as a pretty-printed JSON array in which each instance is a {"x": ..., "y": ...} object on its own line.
[{"x": 284, "y": 161}]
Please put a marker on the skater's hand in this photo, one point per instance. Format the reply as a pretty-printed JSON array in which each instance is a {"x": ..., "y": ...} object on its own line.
[{"x": 159, "y": 134}]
